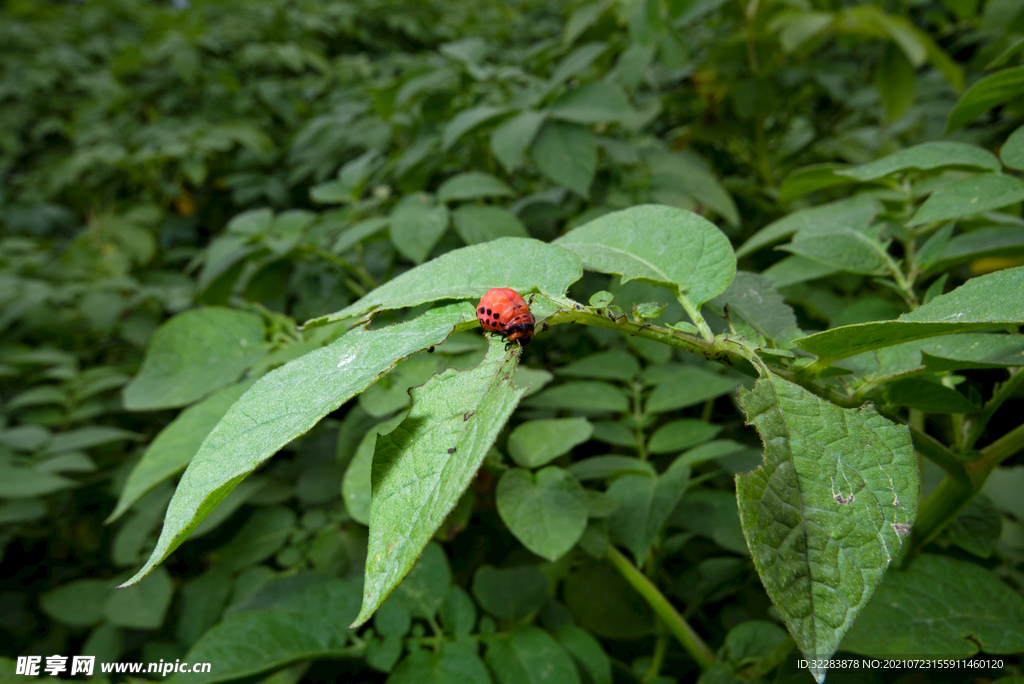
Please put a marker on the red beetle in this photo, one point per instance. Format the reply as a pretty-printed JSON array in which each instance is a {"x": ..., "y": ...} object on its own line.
[{"x": 504, "y": 311}]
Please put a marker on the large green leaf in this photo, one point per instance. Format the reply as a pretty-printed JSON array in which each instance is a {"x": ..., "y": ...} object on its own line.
[
  {"x": 194, "y": 354},
  {"x": 943, "y": 607},
  {"x": 519, "y": 263},
  {"x": 969, "y": 196},
  {"x": 284, "y": 404},
  {"x": 172, "y": 449},
  {"x": 662, "y": 245},
  {"x": 990, "y": 91},
  {"x": 423, "y": 466},
  {"x": 987, "y": 301},
  {"x": 538, "y": 442},
  {"x": 827, "y": 511},
  {"x": 936, "y": 154},
  {"x": 567, "y": 154},
  {"x": 297, "y": 618},
  {"x": 546, "y": 511},
  {"x": 594, "y": 102}
]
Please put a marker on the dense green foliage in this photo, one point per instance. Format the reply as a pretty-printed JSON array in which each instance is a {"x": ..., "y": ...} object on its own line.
[{"x": 202, "y": 207}]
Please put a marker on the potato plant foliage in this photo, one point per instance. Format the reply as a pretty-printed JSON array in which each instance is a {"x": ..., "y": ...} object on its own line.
[{"x": 770, "y": 415}]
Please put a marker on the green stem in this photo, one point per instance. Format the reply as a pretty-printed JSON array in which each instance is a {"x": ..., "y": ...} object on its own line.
[
  {"x": 694, "y": 313},
  {"x": 638, "y": 417},
  {"x": 663, "y": 608},
  {"x": 1004, "y": 392},
  {"x": 657, "y": 658}
]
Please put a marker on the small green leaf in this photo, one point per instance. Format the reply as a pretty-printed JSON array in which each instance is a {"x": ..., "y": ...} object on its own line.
[
  {"x": 894, "y": 79},
  {"x": 608, "y": 365},
  {"x": 685, "y": 386},
  {"x": 202, "y": 601},
  {"x": 416, "y": 224},
  {"x": 587, "y": 651},
  {"x": 969, "y": 196},
  {"x": 936, "y": 154},
  {"x": 77, "y": 604},
  {"x": 984, "y": 242},
  {"x": 472, "y": 185},
  {"x": 546, "y": 511},
  {"x": 510, "y": 593},
  {"x": 454, "y": 662},
  {"x": 467, "y": 120},
  {"x": 356, "y": 487},
  {"x": 193, "y": 354},
  {"x": 584, "y": 396},
  {"x": 928, "y": 396},
  {"x": 991, "y": 91},
  {"x": 88, "y": 437},
  {"x": 940, "y": 605},
  {"x": 594, "y": 102},
  {"x": 22, "y": 483},
  {"x": 286, "y": 403},
  {"x": 827, "y": 511},
  {"x": 847, "y": 250},
  {"x": 681, "y": 434},
  {"x": 808, "y": 179},
  {"x": 603, "y": 603},
  {"x": 538, "y": 442},
  {"x": 1012, "y": 152},
  {"x": 424, "y": 588},
  {"x": 467, "y": 273},
  {"x": 987, "y": 301},
  {"x": 458, "y": 614},
  {"x": 855, "y": 213},
  {"x": 476, "y": 224},
  {"x": 513, "y": 137},
  {"x": 645, "y": 504},
  {"x": 661, "y": 245},
  {"x": 262, "y": 535},
  {"x": 530, "y": 655},
  {"x": 303, "y": 624},
  {"x": 142, "y": 606},
  {"x": 567, "y": 154},
  {"x": 752, "y": 298},
  {"x": 175, "y": 445},
  {"x": 423, "y": 466},
  {"x": 610, "y": 467},
  {"x": 685, "y": 172}
]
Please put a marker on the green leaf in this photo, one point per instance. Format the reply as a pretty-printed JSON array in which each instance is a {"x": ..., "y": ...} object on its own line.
[
  {"x": 88, "y": 437},
  {"x": 454, "y": 662},
  {"x": 356, "y": 487},
  {"x": 538, "y": 442},
  {"x": 894, "y": 79},
  {"x": 416, "y": 224},
  {"x": 425, "y": 464},
  {"x": 681, "y": 434},
  {"x": 594, "y": 102},
  {"x": 661, "y": 245},
  {"x": 576, "y": 61},
  {"x": 603, "y": 603},
  {"x": 467, "y": 273},
  {"x": 827, "y": 511},
  {"x": 202, "y": 602},
  {"x": 927, "y": 156},
  {"x": 796, "y": 269},
  {"x": 673, "y": 173},
  {"x": 530, "y": 655},
  {"x": 567, "y": 155},
  {"x": 458, "y": 614},
  {"x": 284, "y": 404},
  {"x": 645, "y": 504},
  {"x": 584, "y": 396},
  {"x": 426, "y": 585},
  {"x": 797, "y": 27},
  {"x": 987, "y": 301},
  {"x": 969, "y": 196},
  {"x": 193, "y": 354},
  {"x": 712, "y": 514},
  {"x": 808, "y": 179},
  {"x": 262, "y": 535},
  {"x": 609, "y": 467},
  {"x": 587, "y": 651},
  {"x": 940, "y": 605},
  {"x": 928, "y": 396},
  {"x": 172, "y": 449},
  {"x": 476, "y": 224},
  {"x": 22, "y": 483},
  {"x": 683, "y": 386},
  {"x": 993, "y": 90},
  {"x": 855, "y": 213},
  {"x": 985, "y": 242},
  {"x": 847, "y": 250},
  {"x": 303, "y": 624},
  {"x": 513, "y": 137},
  {"x": 753, "y": 299},
  {"x": 546, "y": 511},
  {"x": 467, "y": 120},
  {"x": 1012, "y": 152},
  {"x": 77, "y": 604},
  {"x": 472, "y": 185},
  {"x": 142, "y": 606},
  {"x": 510, "y": 593},
  {"x": 608, "y": 365}
]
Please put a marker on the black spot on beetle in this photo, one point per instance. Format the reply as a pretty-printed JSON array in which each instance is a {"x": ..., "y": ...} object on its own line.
[
  {"x": 482, "y": 309},
  {"x": 497, "y": 315},
  {"x": 488, "y": 312},
  {"x": 452, "y": 450}
]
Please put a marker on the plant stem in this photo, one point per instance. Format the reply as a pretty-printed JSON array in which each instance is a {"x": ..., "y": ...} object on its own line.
[
  {"x": 1004, "y": 392},
  {"x": 638, "y": 417},
  {"x": 694, "y": 313},
  {"x": 657, "y": 658},
  {"x": 663, "y": 608}
]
